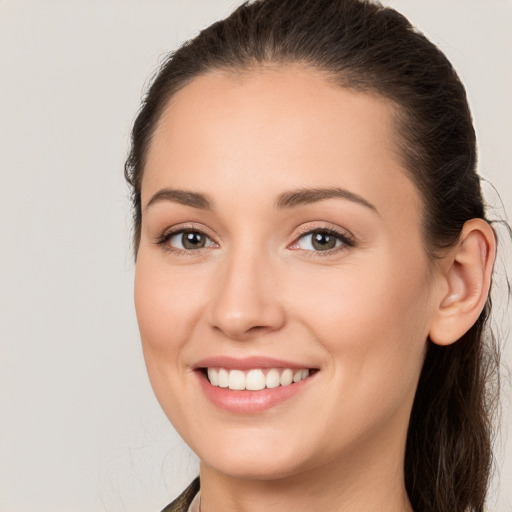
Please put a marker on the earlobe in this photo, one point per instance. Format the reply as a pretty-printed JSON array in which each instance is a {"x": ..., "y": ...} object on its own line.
[{"x": 466, "y": 283}]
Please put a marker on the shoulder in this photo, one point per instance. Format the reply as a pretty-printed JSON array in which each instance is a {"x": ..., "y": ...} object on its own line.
[{"x": 183, "y": 501}]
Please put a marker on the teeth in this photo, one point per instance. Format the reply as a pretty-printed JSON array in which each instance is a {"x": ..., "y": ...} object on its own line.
[
  {"x": 272, "y": 379},
  {"x": 236, "y": 380},
  {"x": 256, "y": 379},
  {"x": 213, "y": 376},
  {"x": 223, "y": 378},
  {"x": 286, "y": 377}
]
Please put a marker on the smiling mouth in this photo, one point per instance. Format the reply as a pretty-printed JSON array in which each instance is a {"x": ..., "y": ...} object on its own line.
[{"x": 255, "y": 379}]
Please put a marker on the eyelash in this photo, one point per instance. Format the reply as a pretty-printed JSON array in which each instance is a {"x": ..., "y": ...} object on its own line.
[
  {"x": 166, "y": 236},
  {"x": 346, "y": 240}
]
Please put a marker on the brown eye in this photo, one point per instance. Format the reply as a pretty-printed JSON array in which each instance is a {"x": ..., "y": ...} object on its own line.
[
  {"x": 193, "y": 240},
  {"x": 322, "y": 241},
  {"x": 189, "y": 240}
]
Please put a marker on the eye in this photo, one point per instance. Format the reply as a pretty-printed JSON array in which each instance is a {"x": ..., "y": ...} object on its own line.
[
  {"x": 322, "y": 240},
  {"x": 187, "y": 240}
]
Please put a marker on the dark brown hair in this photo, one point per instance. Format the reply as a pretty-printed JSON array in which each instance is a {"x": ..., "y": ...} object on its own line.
[{"x": 369, "y": 48}]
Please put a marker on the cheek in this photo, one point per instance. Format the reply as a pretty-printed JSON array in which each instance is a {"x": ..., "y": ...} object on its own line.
[
  {"x": 166, "y": 309},
  {"x": 373, "y": 321},
  {"x": 381, "y": 299}
]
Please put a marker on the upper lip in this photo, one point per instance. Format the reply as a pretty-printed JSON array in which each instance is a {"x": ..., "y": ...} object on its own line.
[{"x": 247, "y": 363}]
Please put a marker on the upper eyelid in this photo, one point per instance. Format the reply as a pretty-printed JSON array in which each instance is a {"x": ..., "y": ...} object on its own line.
[
  {"x": 180, "y": 228},
  {"x": 345, "y": 241},
  {"x": 298, "y": 232},
  {"x": 338, "y": 231}
]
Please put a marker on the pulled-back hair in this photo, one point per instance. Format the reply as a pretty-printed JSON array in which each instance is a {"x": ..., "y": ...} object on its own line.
[{"x": 366, "y": 47}]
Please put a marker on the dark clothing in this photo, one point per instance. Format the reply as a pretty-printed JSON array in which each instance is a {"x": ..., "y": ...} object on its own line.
[{"x": 183, "y": 501}]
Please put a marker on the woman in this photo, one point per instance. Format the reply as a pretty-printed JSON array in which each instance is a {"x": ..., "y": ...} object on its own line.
[{"x": 314, "y": 263}]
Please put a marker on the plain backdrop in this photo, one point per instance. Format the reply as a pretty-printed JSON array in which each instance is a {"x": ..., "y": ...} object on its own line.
[{"x": 80, "y": 429}]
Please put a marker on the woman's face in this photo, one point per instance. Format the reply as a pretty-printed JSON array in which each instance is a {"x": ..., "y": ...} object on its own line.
[{"x": 281, "y": 238}]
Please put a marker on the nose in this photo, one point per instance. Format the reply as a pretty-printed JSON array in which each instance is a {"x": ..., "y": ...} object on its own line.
[{"x": 245, "y": 300}]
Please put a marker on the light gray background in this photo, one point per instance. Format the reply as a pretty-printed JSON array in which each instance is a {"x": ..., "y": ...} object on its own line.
[{"x": 80, "y": 429}]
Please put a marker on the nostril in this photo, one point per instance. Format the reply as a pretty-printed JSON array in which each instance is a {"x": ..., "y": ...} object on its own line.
[
  {"x": 258, "y": 329},
  {"x": 242, "y": 331}
]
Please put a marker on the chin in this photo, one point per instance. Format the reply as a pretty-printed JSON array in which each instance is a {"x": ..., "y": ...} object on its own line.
[
  {"x": 258, "y": 468},
  {"x": 254, "y": 460}
]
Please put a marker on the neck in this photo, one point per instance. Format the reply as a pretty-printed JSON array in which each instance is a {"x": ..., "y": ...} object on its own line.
[{"x": 375, "y": 482}]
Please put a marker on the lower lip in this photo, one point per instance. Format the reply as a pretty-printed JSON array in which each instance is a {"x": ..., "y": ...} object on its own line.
[{"x": 249, "y": 402}]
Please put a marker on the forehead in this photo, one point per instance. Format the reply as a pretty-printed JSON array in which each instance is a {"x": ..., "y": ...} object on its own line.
[{"x": 273, "y": 129}]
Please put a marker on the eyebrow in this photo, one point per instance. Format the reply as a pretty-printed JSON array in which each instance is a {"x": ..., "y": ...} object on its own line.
[
  {"x": 288, "y": 199},
  {"x": 185, "y": 197},
  {"x": 312, "y": 195}
]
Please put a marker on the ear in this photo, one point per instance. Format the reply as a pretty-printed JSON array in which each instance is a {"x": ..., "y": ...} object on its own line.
[{"x": 465, "y": 283}]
